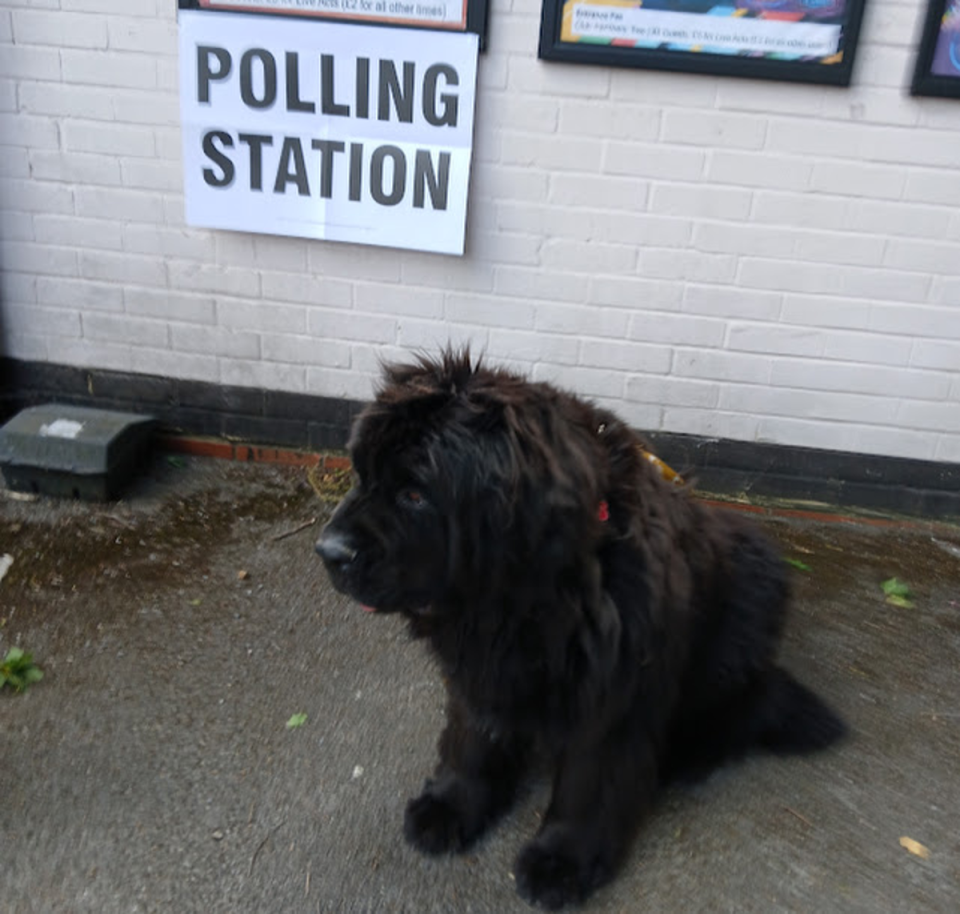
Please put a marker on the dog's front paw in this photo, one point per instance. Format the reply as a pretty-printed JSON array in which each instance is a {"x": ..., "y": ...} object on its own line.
[
  {"x": 434, "y": 825},
  {"x": 550, "y": 871}
]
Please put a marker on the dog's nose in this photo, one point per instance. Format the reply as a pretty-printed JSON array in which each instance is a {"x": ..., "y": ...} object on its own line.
[{"x": 335, "y": 549}]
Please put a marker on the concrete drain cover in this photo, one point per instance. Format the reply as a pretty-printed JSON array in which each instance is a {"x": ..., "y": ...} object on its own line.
[{"x": 73, "y": 451}]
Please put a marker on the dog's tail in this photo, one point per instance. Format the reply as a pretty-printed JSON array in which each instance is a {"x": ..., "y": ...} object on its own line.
[{"x": 794, "y": 719}]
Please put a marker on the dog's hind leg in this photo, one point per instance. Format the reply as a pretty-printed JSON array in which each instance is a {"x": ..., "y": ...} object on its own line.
[
  {"x": 475, "y": 783},
  {"x": 771, "y": 711},
  {"x": 792, "y": 719}
]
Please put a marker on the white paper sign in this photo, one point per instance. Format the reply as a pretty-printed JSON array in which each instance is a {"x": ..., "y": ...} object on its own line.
[{"x": 325, "y": 130}]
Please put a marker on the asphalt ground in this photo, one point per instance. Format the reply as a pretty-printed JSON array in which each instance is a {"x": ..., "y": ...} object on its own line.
[{"x": 179, "y": 630}]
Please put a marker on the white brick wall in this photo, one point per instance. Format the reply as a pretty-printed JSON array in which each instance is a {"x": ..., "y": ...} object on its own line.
[{"x": 735, "y": 258}]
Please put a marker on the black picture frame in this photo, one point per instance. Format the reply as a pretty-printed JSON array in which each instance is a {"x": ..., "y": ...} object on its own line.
[
  {"x": 937, "y": 71},
  {"x": 830, "y": 69},
  {"x": 475, "y": 20}
]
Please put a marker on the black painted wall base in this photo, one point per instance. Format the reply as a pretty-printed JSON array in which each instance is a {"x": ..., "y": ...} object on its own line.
[{"x": 889, "y": 484}]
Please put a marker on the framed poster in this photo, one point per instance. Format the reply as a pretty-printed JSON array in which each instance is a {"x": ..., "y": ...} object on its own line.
[
  {"x": 938, "y": 59},
  {"x": 799, "y": 40},
  {"x": 455, "y": 15}
]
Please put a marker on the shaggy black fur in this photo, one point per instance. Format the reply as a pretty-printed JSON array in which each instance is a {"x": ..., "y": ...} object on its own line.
[{"x": 634, "y": 648}]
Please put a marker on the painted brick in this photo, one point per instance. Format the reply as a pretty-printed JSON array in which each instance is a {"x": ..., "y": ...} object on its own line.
[
  {"x": 820, "y": 376},
  {"x": 626, "y": 356},
  {"x": 654, "y": 161},
  {"x": 825, "y": 311},
  {"x": 543, "y": 151},
  {"x": 806, "y": 210},
  {"x": 673, "y": 391},
  {"x": 112, "y": 139},
  {"x": 579, "y": 190},
  {"x": 936, "y": 417},
  {"x": 168, "y": 241},
  {"x": 731, "y": 302},
  {"x": 151, "y": 174},
  {"x": 634, "y": 292},
  {"x": 78, "y": 232},
  {"x": 588, "y": 258},
  {"x": 79, "y": 294},
  {"x": 59, "y": 28},
  {"x": 778, "y": 401},
  {"x": 215, "y": 340},
  {"x": 898, "y": 218},
  {"x": 281, "y": 347},
  {"x": 123, "y": 328},
  {"x": 528, "y": 75},
  {"x": 17, "y": 226},
  {"x": 8, "y": 94},
  {"x": 716, "y": 365},
  {"x": 762, "y": 169},
  {"x": 937, "y": 354},
  {"x": 710, "y": 423},
  {"x": 533, "y": 347},
  {"x": 74, "y": 167},
  {"x": 29, "y": 131},
  {"x": 775, "y": 339},
  {"x": 714, "y": 129},
  {"x": 116, "y": 203},
  {"x": 923, "y": 256},
  {"x": 913, "y": 320},
  {"x": 414, "y": 334},
  {"x": 868, "y": 348},
  {"x": 190, "y": 365},
  {"x": 31, "y": 318},
  {"x": 610, "y": 121},
  {"x": 86, "y": 353},
  {"x": 129, "y": 7},
  {"x": 203, "y": 277},
  {"x": 21, "y": 62},
  {"x": 167, "y": 304},
  {"x": 126, "y": 267},
  {"x": 371, "y": 328},
  {"x": 128, "y": 34},
  {"x": 42, "y": 259},
  {"x": 929, "y": 185},
  {"x": 489, "y": 310},
  {"x": 396, "y": 299},
  {"x": 592, "y": 382},
  {"x": 306, "y": 288},
  {"x": 336, "y": 382},
  {"x": 679, "y": 329},
  {"x": 667, "y": 89},
  {"x": 692, "y": 266},
  {"x": 856, "y": 179},
  {"x": 18, "y": 287},
  {"x": 717, "y": 237},
  {"x": 526, "y": 282},
  {"x": 107, "y": 68}
]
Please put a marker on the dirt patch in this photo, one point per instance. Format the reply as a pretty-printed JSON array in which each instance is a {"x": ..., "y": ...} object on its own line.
[{"x": 160, "y": 536}]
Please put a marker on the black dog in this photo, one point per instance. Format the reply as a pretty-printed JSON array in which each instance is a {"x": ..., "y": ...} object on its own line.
[{"x": 573, "y": 598}]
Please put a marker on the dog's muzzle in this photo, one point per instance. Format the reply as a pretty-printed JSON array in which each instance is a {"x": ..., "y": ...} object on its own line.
[{"x": 336, "y": 550}]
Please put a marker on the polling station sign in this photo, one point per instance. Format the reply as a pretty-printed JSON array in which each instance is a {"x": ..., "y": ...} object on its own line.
[{"x": 325, "y": 130}]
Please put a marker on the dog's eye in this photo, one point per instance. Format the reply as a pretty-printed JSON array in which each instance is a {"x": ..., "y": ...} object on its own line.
[{"x": 412, "y": 498}]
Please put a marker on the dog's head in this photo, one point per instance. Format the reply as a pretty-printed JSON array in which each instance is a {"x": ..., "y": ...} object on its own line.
[{"x": 463, "y": 475}]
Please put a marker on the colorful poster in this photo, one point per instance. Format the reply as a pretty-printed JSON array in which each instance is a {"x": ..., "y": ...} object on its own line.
[
  {"x": 789, "y": 39},
  {"x": 946, "y": 55},
  {"x": 937, "y": 71},
  {"x": 325, "y": 130}
]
